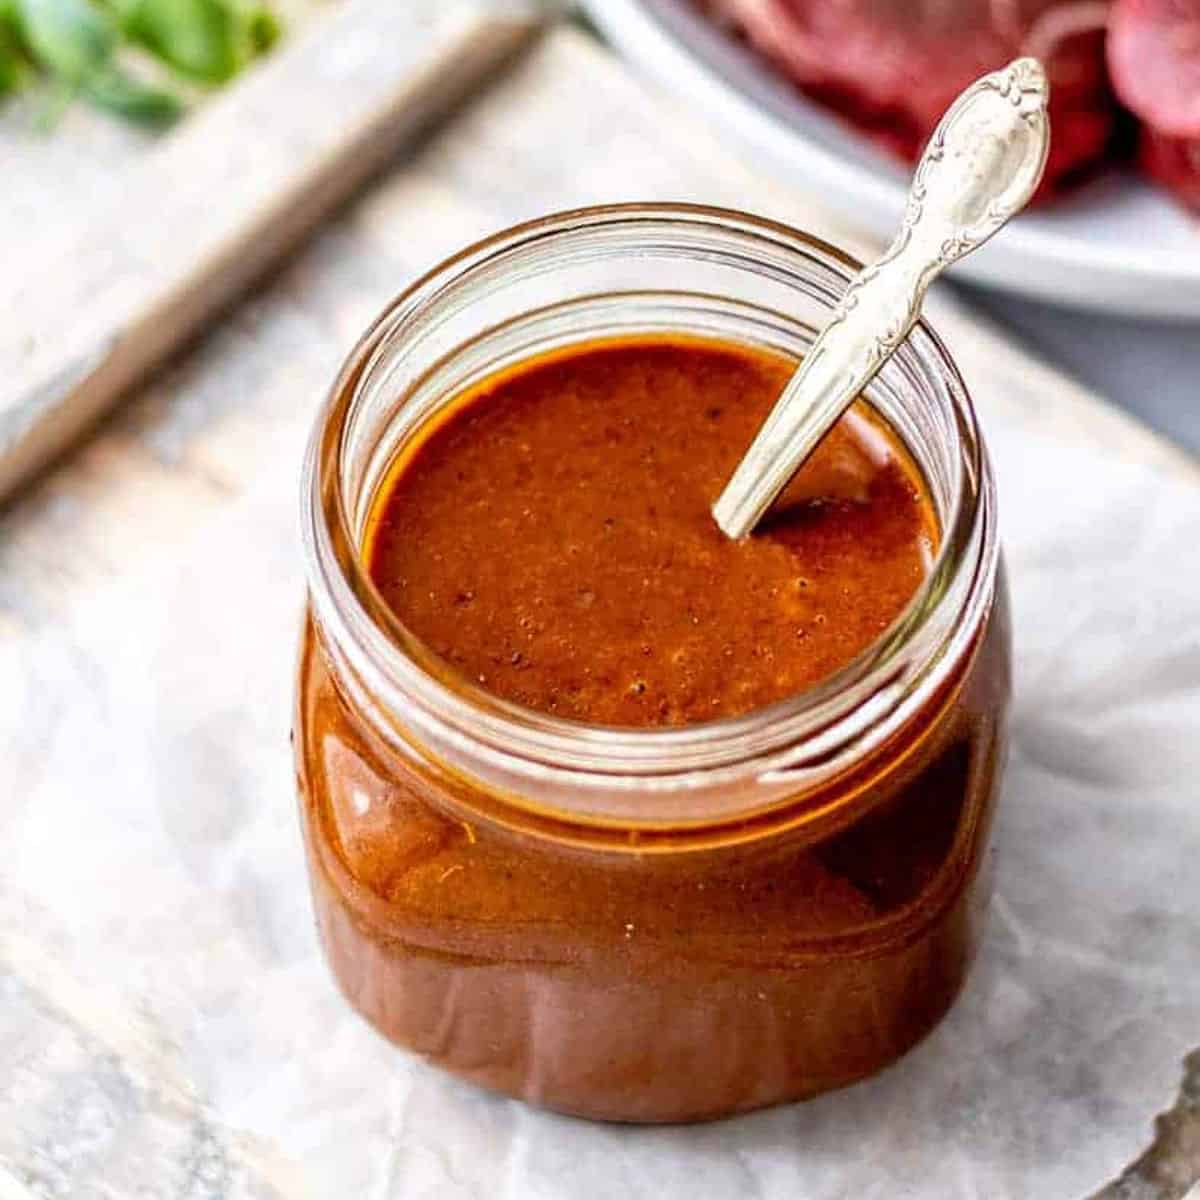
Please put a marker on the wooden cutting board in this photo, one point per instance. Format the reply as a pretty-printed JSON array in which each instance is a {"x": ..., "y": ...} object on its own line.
[{"x": 199, "y": 218}]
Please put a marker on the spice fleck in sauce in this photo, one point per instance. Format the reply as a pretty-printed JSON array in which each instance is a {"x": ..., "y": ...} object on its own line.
[{"x": 551, "y": 538}]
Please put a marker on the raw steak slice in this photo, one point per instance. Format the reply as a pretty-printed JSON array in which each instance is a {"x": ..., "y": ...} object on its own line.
[
  {"x": 1154, "y": 58},
  {"x": 1173, "y": 162},
  {"x": 894, "y": 66}
]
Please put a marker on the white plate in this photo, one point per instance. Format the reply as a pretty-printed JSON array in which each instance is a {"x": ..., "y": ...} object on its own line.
[{"x": 1116, "y": 245}]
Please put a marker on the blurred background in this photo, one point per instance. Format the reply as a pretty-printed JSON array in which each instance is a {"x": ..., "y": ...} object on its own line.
[{"x": 1104, "y": 281}]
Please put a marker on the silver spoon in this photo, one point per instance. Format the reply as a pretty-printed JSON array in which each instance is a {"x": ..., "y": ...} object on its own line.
[{"x": 980, "y": 168}]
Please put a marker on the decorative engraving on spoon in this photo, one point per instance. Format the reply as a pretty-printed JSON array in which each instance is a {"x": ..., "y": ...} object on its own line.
[{"x": 980, "y": 168}]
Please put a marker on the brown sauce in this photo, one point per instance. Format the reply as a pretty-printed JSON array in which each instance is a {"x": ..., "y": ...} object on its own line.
[{"x": 552, "y": 538}]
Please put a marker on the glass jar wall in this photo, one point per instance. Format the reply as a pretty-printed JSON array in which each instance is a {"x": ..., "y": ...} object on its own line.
[{"x": 645, "y": 925}]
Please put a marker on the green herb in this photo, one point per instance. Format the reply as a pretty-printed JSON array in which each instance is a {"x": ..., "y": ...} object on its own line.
[
  {"x": 112, "y": 89},
  {"x": 86, "y": 47},
  {"x": 13, "y": 66},
  {"x": 263, "y": 27},
  {"x": 199, "y": 38},
  {"x": 70, "y": 38},
  {"x": 206, "y": 40}
]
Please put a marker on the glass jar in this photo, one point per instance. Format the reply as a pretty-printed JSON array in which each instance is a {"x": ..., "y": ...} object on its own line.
[{"x": 645, "y": 925}]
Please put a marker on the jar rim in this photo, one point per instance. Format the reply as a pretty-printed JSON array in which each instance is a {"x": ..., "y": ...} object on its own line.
[{"x": 389, "y": 667}]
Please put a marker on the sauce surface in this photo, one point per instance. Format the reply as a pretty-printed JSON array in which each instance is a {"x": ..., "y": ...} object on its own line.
[{"x": 551, "y": 537}]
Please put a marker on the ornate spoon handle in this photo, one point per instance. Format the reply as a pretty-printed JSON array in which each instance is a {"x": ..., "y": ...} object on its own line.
[{"x": 980, "y": 168}]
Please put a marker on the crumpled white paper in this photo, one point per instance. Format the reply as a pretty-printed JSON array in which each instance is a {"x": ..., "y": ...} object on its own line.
[{"x": 168, "y": 1028}]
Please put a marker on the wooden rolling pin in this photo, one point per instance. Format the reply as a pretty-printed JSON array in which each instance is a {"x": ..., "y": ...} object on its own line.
[{"x": 224, "y": 198}]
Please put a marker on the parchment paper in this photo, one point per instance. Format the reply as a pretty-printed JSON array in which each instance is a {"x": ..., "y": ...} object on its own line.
[
  {"x": 167, "y": 1027},
  {"x": 156, "y": 918}
]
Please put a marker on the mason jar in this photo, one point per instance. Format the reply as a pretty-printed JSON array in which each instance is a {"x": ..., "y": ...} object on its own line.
[{"x": 645, "y": 924}]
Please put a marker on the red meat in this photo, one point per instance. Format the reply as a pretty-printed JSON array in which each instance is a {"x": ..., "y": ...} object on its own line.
[
  {"x": 1154, "y": 58},
  {"x": 1173, "y": 162},
  {"x": 894, "y": 67}
]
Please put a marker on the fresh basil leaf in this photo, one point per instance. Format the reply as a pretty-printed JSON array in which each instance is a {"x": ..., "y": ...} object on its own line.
[
  {"x": 71, "y": 38},
  {"x": 199, "y": 38},
  {"x": 10, "y": 21},
  {"x": 112, "y": 89},
  {"x": 14, "y": 67},
  {"x": 74, "y": 42},
  {"x": 10, "y": 70},
  {"x": 263, "y": 28}
]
